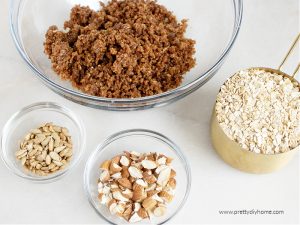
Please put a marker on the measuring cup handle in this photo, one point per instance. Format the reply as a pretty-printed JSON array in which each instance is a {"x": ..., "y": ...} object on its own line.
[{"x": 287, "y": 56}]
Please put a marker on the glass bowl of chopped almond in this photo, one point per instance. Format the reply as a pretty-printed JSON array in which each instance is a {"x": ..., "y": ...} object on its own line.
[
  {"x": 137, "y": 176},
  {"x": 42, "y": 142}
]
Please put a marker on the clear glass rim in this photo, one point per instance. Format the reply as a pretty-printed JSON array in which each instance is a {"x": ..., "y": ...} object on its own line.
[
  {"x": 139, "y": 132},
  {"x": 238, "y": 12},
  {"x": 36, "y": 106}
]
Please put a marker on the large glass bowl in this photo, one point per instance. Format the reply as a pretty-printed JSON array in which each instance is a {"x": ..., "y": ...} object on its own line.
[
  {"x": 214, "y": 24},
  {"x": 143, "y": 141}
]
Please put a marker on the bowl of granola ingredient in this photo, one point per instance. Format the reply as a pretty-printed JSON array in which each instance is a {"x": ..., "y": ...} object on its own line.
[
  {"x": 42, "y": 142},
  {"x": 126, "y": 49},
  {"x": 125, "y": 55},
  {"x": 256, "y": 120},
  {"x": 137, "y": 176}
]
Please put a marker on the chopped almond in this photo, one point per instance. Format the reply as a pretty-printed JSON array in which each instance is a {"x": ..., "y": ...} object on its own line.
[
  {"x": 135, "y": 186},
  {"x": 125, "y": 183}
]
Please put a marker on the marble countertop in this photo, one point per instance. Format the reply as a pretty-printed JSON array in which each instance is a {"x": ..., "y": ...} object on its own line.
[{"x": 267, "y": 31}]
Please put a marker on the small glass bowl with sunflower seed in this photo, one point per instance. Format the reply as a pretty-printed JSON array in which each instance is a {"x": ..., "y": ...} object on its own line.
[{"x": 42, "y": 142}]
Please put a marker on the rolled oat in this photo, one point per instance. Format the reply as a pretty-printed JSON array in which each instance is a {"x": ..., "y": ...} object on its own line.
[{"x": 260, "y": 110}]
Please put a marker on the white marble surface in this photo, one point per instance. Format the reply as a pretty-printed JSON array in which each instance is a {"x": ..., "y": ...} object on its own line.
[{"x": 268, "y": 28}]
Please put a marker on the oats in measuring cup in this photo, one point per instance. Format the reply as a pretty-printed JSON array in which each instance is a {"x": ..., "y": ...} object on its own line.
[{"x": 260, "y": 110}]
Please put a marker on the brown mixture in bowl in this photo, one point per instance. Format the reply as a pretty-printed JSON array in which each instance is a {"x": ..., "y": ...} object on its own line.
[{"x": 128, "y": 49}]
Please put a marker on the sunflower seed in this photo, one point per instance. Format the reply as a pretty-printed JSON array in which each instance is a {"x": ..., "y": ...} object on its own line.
[
  {"x": 65, "y": 132},
  {"x": 32, "y": 152},
  {"x": 23, "y": 160},
  {"x": 20, "y": 152},
  {"x": 46, "y": 149},
  {"x": 38, "y": 166},
  {"x": 48, "y": 159},
  {"x": 57, "y": 129},
  {"x": 39, "y": 158},
  {"x": 54, "y": 156},
  {"x": 38, "y": 147},
  {"x": 51, "y": 144},
  {"x": 46, "y": 141},
  {"x": 64, "y": 152},
  {"x": 36, "y": 131},
  {"x": 59, "y": 149},
  {"x": 45, "y": 168},
  {"x": 44, "y": 154},
  {"x": 58, "y": 163},
  {"x": 51, "y": 166},
  {"x": 27, "y": 137}
]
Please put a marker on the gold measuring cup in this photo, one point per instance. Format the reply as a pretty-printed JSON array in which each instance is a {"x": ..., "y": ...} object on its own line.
[{"x": 233, "y": 154}]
